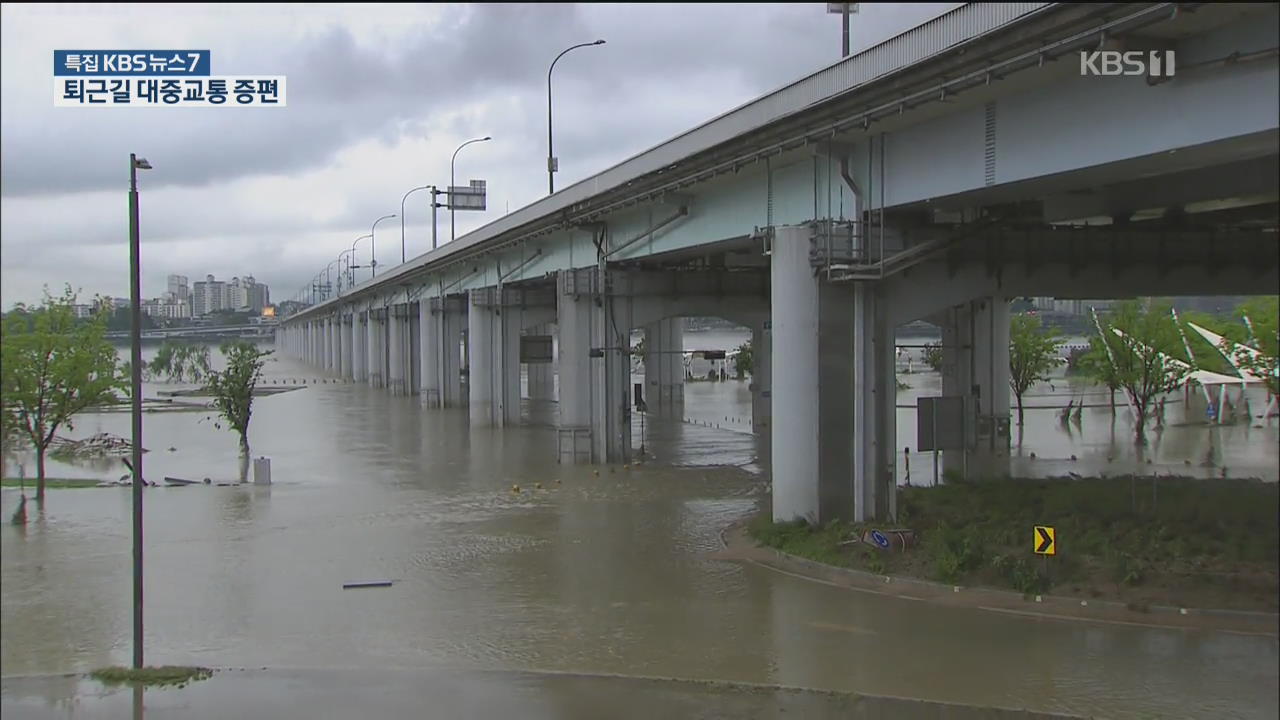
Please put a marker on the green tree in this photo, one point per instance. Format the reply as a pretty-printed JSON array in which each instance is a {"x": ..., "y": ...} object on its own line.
[
  {"x": 176, "y": 362},
  {"x": 1033, "y": 352},
  {"x": 933, "y": 356},
  {"x": 121, "y": 319},
  {"x": 1263, "y": 335},
  {"x": 52, "y": 369},
  {"x": 1143, "y": 355},
  {"x": 1096, "y": 365},
  {"x": 232, "y": 388},
  {"x": 744, "y": 363}
]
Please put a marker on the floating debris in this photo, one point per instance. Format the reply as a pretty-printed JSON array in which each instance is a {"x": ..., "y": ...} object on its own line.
[{"x": 368, "y": 584}]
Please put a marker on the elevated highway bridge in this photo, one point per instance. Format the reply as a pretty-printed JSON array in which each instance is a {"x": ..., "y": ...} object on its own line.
[{"x": 933, "y": 176}]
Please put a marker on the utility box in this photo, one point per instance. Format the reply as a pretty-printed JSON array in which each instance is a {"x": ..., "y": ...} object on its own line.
[{"x": 262, "y": 471}]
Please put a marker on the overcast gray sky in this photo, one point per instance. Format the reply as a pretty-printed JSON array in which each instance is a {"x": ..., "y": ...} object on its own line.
[{"x": 379, "y": 96}]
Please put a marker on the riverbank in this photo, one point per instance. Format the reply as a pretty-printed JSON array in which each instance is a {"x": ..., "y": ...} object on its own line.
[{"x": 1132, "y": 544}]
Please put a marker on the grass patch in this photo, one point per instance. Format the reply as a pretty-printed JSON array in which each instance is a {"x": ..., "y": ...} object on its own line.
[
  {"x": 165, "y": 675},
  {"x": 51, "y": 483},
  {"x": 1142, "y": 541}
]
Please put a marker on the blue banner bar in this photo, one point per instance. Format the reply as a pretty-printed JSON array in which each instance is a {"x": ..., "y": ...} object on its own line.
[{"x": 119, "y": 63}]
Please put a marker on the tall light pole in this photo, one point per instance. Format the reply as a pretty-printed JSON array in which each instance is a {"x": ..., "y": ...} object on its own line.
[
  {"x": 406, "y": 197},
  {"x": 373, "y": 245},
  {"x": 552, "y": 165},
  {"x": 844, "y": 10},
  {"x": 327, "y": 278},
  {"x": 452, "y": 160},
  {"x": 345, "y": 255},
  {"x": 135, "y": 361},
  {"x": 353, "y": 257}
]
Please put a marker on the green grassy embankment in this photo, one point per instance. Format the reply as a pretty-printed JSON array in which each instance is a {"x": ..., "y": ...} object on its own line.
[{"x": 1171, "y": 541}]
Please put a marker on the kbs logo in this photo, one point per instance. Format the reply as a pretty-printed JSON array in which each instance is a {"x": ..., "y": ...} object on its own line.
[{"x": 1157, "y": 63}]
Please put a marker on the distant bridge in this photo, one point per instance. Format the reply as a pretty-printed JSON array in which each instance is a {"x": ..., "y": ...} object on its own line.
[{"x": 239, "y": 331}]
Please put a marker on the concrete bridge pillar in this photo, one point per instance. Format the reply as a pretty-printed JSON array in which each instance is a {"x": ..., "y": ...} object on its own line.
[
  {"x": 357, "y": 346},
  {"x": 595, "y": 392},
  {"x": 484, "y": 344},
  {"x": 345, "y": 327},
  {"x": 430, "y": 349},
  {"x": 328, "y": 343},
  {"x": 573, "y": 365},
  {"x": 542, "y": 375},
  {"x": 395, "y": 350},
  {"x": 454, "y": 320},
  {"x": 761, "y": 395},
  {"x": 373, "y": 349},
  {"x": 664, "y": 367},
  {"x": 835, "y": 389},
  {"x": 506, "y": 369},
  {"x": 975, "y": 365}
]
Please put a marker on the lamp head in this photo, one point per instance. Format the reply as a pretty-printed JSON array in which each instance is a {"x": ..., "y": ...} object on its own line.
[
  {"x": 142, "y": 164},
  {"x": 598, "y": 42}
]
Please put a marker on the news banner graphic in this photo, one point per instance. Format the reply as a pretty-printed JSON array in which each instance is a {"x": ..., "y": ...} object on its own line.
[{"x": 155, "y": 78}]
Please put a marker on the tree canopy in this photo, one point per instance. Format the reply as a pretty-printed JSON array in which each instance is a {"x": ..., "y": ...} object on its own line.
[
  {"x": 1033, "y": 353},
  {"x": 52, "y": 368}
]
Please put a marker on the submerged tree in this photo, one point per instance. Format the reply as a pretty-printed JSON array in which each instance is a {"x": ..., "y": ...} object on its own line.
[
  {"x": 1033, "y": 352},
  {"x": 52, "y": 368},
  {"x": 933, "y": 356},
  {"x": 232, "y": 389},
  {"x": 1142, "y": 354},
  {"x": 178, "y": 362},
  {"x": 744, "y": 362},
  {"x": 1262, "y": 316}
]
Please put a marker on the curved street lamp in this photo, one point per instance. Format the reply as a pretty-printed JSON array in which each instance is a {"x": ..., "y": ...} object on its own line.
[
  {"x": 406, "y": 197},
  {"x": 352, "y": 268},
  {"x": 452, "y": 160},
  {"x": 345, "y": 255},
  {"x": 551, "y": 159},
  {"x": 373, "y": 245}
]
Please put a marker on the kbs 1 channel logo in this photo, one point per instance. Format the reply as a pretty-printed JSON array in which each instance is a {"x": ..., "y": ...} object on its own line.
[{"x": 156, "y": 78}]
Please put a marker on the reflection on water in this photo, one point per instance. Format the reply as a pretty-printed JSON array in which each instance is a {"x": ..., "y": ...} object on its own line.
[{"x": 604, "y": 570}]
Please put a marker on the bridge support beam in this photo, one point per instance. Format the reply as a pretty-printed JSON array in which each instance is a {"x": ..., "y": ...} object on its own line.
[
  {"x": 761, "y": 395},
  {"x": 454, "y": 319},
  {"x": 594, "y": 371},
  {"x": 542, "y": 377},
  {"x": 506, "y": 368},
  {"x": 430, "y": 349},
  {"x": 345, "y": 327},
  {"x": 373, "y": 349},
  {"x": 484, "y": 343},
  {"x": 664, "y": 367},
  {"x": 358, "y": 338},
  {"x": 975, "y": 365},
  {"x": 395, "y": 350},
  {"x": 830, "y": 457}
]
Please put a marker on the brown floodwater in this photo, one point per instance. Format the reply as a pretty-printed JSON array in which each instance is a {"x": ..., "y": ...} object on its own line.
[{"x": 602, "y": 571}]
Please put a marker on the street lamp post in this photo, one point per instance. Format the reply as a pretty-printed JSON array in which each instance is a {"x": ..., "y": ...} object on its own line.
[
  {"x": 352, "y": 268},
  {"x": 552, "y": 166},
  {"x": 452, "y": 182},
  {"x": 346, "y": 256},
  {"x": 373, "y": 245},
  {"x": 135, "y": 340},
  {"x": 406, "y": 197}
]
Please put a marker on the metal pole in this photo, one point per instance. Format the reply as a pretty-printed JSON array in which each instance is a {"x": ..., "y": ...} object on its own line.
[
  {"x": 434, "y": 209},
  {"x": 844, "y": 11},
  {"x": 452, "y": 182},
  {"x": 135, "y": 339},
  {"x": 551, "y": 160}
]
